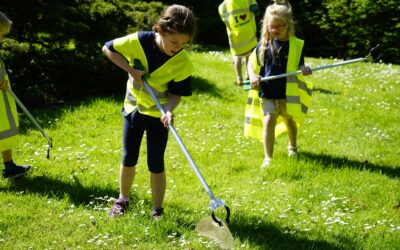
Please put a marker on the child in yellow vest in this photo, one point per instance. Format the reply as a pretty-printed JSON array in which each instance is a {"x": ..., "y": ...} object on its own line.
[
  {"x": 239, "y": 19},
  {"x": 278, "y": 52},
  {"x": 9, "y": 124},
  {"x": 161, "y": 54}
]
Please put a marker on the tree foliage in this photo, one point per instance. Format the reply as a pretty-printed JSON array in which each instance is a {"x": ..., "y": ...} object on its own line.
[{"x": 54, "y": 48}]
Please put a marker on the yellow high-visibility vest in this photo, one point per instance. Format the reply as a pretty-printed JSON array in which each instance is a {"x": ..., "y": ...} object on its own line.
[
  {"x": 9, "y": 124},
  {"x": 298, "y": 95},
  {"x": 240, "y": 25},
  {"x": 177, "y": 68}
]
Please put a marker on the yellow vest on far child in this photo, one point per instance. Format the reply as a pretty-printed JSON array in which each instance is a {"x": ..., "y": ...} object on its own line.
[
  {"x": 9, "y": 124},
  {"x": 240, "y": 25},
  {"x": 298, "y": 95}
]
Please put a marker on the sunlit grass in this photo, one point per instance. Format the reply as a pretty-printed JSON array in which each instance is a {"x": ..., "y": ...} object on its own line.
[{"x": 342, "y": 192}]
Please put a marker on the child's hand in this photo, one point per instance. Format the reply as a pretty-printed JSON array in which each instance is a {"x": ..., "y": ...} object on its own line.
[
  {"x": 306, "y": 70},
  {"x": 167, "y": 119},
  {"x": 3, "y": 84},
  {"x": 254, "y": 81},
  {"x": 137, "y": 74}
]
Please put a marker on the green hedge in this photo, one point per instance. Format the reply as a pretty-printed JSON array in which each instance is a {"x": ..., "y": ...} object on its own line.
[
  {"x": 53, "y": 52},
  {"x": 344, "y": 28},
  {"x": 54, "y": 49}
]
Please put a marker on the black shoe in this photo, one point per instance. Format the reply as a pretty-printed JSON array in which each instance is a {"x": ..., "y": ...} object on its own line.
[
  {"x": 13, "y": 171},
  {"x": 156, "y": 213}
]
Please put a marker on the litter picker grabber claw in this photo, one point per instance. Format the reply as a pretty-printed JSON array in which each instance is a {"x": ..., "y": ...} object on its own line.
[
  {"x": 214, "y": 203},
  {"x": 22, "y": 106},
  {"x": 368, "y": 58}
]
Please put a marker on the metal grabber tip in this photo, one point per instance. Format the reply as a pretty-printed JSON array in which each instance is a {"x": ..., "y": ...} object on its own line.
[{"x": 370, "y": 57}]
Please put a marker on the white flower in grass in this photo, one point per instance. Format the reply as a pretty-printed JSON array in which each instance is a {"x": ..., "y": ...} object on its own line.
[{"x": 368, "y": 227}]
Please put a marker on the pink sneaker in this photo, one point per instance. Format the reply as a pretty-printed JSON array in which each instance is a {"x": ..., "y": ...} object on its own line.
[
  {"x": 156, "y": 213},
  {"x": 119, "y": 208}
]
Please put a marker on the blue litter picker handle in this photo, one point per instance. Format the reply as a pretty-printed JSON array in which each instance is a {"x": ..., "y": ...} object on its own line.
[
  {"x": 215, "y": 203},
  {"x": 368, "y": 58}
]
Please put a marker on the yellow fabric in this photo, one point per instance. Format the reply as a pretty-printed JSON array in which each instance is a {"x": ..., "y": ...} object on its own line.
[
  {"x": 296, "y": 89},
  {"x": 253, "y": 126},
  {"x": 240, "y": 25},
  {"x": 177, "y": 68},
  {"x": 8, "y": 140}
]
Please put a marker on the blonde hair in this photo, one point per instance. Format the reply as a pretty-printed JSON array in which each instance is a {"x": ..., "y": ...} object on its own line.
[
  {"x": 281, "y": 10},
  {"x": 5, "y": 23}
]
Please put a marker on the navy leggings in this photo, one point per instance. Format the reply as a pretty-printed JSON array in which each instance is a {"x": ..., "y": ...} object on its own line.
[{"x": 135, "y": 124}]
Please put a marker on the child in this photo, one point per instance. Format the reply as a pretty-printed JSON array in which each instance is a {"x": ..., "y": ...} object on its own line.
[
  {"x": 278, "y": 52},
  {"x": 238, "y": 16},
  {"x": 9, "y": 123},
  {"x": 161, "y": 53}
]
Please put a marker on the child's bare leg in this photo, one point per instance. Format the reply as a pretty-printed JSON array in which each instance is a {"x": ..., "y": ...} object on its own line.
[
  {"x": 246, "y": 62},
  {"x": 237, "y": 63},
  {"x": 158, "y": 185},
  {"x": 7, "y": 156},
  {"x": 292, "y": 134},
  {"x": 127, "y": 175},
  {"x": 269, "y": 134}
]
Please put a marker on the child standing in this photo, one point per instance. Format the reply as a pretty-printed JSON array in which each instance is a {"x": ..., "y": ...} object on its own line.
[
  {"x": 9, "y": 124},
  {"x": 278, "y": 52},
  {"x": 239, "y": 19},
  {"x": 161, "y": 53}
]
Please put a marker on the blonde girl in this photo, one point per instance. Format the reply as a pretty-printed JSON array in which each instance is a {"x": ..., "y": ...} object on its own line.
[{"x": 278, "y": 52}]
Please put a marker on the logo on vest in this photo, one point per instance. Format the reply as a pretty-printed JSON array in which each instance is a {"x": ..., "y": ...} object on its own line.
[{"x": 240, "y": 18}]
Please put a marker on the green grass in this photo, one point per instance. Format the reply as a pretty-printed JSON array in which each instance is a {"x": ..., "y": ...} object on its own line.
[{"x": 343, "y": 192}]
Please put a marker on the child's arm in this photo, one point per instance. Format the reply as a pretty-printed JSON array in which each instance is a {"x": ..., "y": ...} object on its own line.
[
  {"x": 120, "y": 61},
  {"x": 172, "y": 102},
  {"x": 253, "y": 77}
]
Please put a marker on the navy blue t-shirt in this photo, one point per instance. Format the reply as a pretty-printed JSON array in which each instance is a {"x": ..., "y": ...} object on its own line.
[
  {"x": 275, "y": 65},
  {"x": 155, "y": 59}
]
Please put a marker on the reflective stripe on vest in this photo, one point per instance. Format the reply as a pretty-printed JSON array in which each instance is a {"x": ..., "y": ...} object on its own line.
[
  {"x": 10, "y": 121},
  {"x": 177, "y": 68},
  {"x": 243, "y": 21},
  {"x": 13, "y": 130}
]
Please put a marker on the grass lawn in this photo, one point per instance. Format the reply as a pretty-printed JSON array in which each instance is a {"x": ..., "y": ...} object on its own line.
[{"x": 342, "y": 192}]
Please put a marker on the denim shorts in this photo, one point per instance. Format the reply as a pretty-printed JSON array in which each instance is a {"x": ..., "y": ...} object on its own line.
[{"x": 135, "y": 124}]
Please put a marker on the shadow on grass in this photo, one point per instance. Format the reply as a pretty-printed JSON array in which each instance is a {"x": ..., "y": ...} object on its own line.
[
  {"x": 343, "y": 162},
  {"x": 55, "y": 188},
  {"x": 326, "y": 91},
  {"x": 268, "y": 236},
  {"x": 52, "y": 112},
  {"x": 44, "y": 116},
  {"x": 264, "y": 235},
  {"x": 202, "y": 85}
]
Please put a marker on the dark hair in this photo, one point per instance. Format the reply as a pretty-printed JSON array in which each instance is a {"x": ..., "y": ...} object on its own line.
[{"x": 177, "y": 19}]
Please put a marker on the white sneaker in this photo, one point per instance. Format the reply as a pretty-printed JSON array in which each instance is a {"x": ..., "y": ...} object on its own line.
[
  {"x": 266, "y": 163},
  {"x": 292, "y": 151}
]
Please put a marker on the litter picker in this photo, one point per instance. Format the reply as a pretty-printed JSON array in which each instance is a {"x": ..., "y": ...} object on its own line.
[
  {"x": 368, "y": 58},
  {"x": 22, "y": 106},
  {"x": 214, "y": 228}
]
